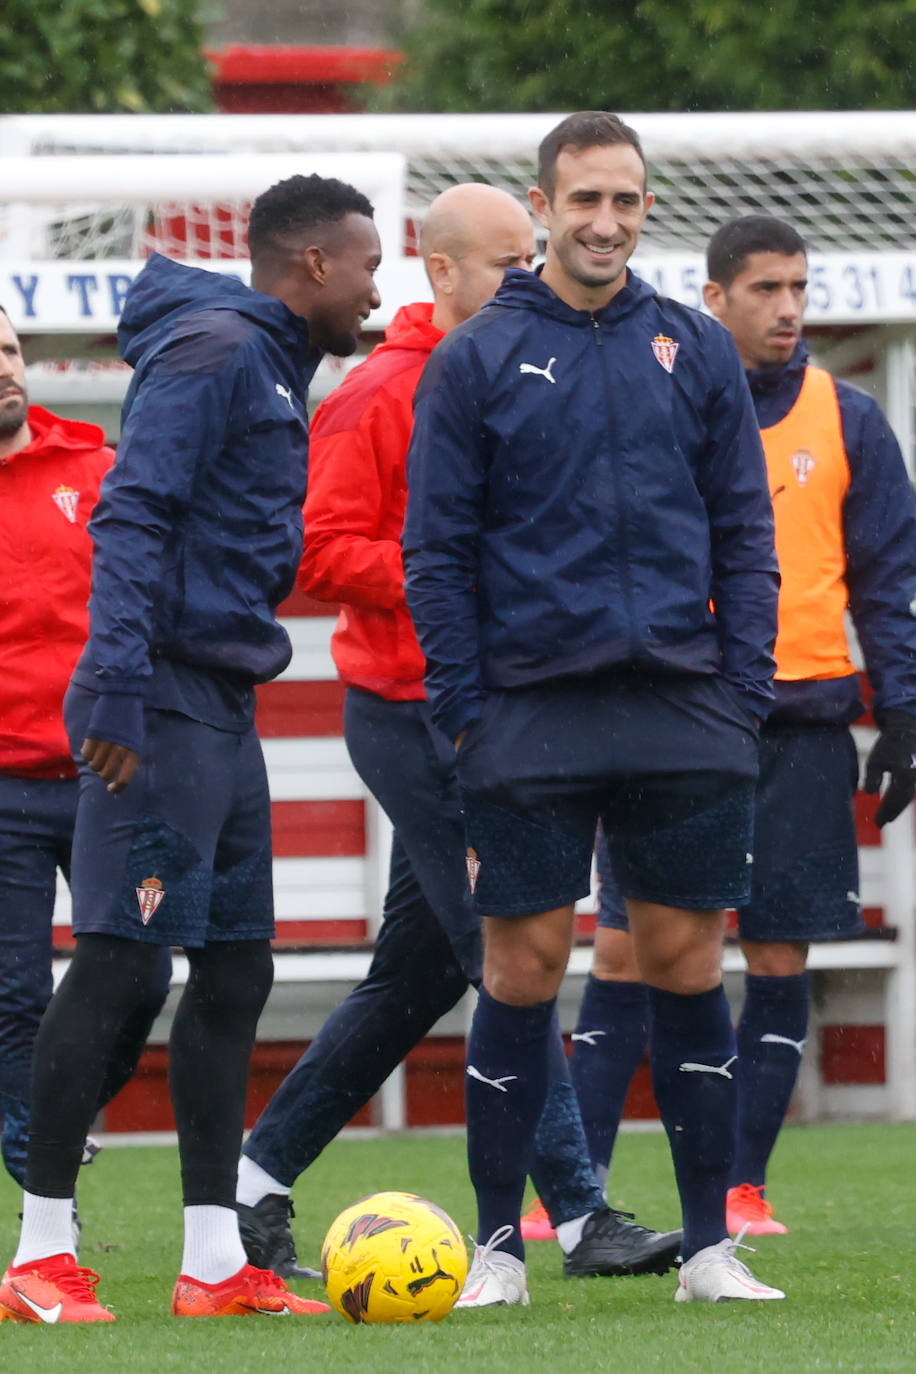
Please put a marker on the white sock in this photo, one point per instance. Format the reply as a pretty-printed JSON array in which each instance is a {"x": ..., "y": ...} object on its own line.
[
  {"x": 47, "y": 1228},
  {"x": 212, "y": 1245},
  {"x": 255, "y": 1183},
  {"x": 569, "y": 1233}
]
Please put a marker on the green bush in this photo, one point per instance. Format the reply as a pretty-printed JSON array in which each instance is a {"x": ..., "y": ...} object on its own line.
[
  {"x": 543, "y": 55},
  {"x": 102, "y": 56}
]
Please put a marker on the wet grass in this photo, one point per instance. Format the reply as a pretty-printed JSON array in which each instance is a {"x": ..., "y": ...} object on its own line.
[{"x": 847, "y": 1194}]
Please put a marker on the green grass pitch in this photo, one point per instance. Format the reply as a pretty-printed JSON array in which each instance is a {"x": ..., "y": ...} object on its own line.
[{"x": 847, "y": 1193}]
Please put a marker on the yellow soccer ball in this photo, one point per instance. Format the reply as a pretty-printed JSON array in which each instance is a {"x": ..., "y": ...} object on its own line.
[{"x": 393, "y": 1257}]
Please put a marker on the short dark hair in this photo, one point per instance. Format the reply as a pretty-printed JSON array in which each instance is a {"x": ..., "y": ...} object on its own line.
[
  {"x": 586, "y": 129},
  {"x": 733, "y": 243},
  {"x": 300, "y": 203}
]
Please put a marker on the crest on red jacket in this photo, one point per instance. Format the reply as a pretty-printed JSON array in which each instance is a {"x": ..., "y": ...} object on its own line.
[
  {"x": 149, "y": 894},
  {"x": 66, "y": 500},
  {"x": 665, "y": 351}
]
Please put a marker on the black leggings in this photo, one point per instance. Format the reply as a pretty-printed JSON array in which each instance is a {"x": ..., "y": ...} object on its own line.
[{"x": 209, "y": 1052}]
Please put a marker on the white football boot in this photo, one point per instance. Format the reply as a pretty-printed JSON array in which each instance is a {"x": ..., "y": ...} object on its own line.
[
  {"x": 717, "y": 1275},
  {"x": 495, "y": 1278}
]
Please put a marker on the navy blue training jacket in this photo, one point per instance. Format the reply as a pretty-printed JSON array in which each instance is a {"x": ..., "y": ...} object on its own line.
[
  {"x": 575, "y": 506},
  {"x": 879, "y": 534},
  {"x": 198, "y": 531}
]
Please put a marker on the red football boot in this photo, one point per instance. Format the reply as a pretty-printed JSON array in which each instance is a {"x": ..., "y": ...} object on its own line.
[
  {"x": 247, "y": 1293},
  {"x": 747, "y": 1209},
  {"x": 51, "y": 1290}
]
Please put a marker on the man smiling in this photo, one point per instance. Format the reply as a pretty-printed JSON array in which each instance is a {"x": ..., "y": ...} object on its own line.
[
  {"x": 196, "y": 537},
  {"x": 585, "y": 480}
]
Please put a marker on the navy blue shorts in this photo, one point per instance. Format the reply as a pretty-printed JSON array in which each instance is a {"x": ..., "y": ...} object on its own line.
[
  {"x": 806, "y": 865},
  {"x": 668, "y": 763},
  {"x": 183, "y": 855},
  {"x": 676, "y": 839}
]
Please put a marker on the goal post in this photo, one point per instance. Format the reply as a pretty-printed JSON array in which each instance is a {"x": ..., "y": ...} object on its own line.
[
  {"x": 51, "y": 204},
  {"x": 89, "y": 196},
  {"x": 845, "y": 178}
]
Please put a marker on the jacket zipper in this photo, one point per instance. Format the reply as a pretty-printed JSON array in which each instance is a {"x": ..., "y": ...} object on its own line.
[{"x": 623, "y": 545}]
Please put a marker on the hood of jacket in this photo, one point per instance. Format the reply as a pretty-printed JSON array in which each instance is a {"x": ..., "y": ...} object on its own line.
[
  {"x": 165, "y": 291},
  {"x": 412, "y": 328},
  {"x": 54, "y": 433}
]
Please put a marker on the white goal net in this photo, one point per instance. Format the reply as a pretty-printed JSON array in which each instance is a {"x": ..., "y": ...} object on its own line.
[
  {"x": 106, "y": 190},
  {"x": 846, "y": 180},
  {"x": 85, "y": 207}
]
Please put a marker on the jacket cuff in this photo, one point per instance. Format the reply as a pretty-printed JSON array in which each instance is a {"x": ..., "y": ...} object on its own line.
[
  {"x": 456, "y": 719},
  {"x": 117, "y": 718},
  {"x": 755, "y": 703},
  {"x": 126, "y": 686}
]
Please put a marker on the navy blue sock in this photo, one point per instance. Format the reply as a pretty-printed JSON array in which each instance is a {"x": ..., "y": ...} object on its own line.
[
  {"x": 771, "y": 1039},
  {"x": 505, "y": 1089},
  {"x": 692, "y": 1053},
  {"x": 561, "y": 1171},
  {"x": 608, "y": 1044}
]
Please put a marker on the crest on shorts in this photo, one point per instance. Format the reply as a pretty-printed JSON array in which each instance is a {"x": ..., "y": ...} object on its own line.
[
  {"x": 66, "y": 500},
  {"x": 473, "y": 864},
  {"x": 149, "y": 894},
  {"x": 665, "y": 351},
  {"x": 803, "y": 462}
]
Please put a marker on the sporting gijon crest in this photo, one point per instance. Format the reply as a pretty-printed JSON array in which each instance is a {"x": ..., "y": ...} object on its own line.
[
  {"x": 665, "y": 351},
  {"x": 804, "y": 464},
  {"x": 66, "y": 499},
  {"x": 150, "y": 894}
]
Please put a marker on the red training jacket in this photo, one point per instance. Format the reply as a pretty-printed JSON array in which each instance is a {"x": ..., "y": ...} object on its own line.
[
  {"x": 354, "y": 510},
  {"x": 47, "y": 492}
]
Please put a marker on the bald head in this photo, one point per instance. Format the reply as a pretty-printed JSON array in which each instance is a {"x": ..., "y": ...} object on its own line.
[
  {"x": 463, "y": 217},
  {"x": 470, "y": 235}
]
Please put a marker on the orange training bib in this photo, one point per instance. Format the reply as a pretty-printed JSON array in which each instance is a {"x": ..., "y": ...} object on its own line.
[{"x": 809, "y": 477}]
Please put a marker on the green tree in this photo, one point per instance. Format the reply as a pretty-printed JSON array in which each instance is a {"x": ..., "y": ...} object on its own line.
[
  {"x": 658, "y": 55},
  {"x": 74, "y": 56},
  {"x": 825, "y": 55}
]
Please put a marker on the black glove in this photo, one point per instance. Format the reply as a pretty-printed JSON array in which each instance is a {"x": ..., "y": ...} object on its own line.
[{"x": 894, "y": 752}]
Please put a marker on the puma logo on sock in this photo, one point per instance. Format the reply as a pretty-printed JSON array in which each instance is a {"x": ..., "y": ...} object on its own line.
[
  {"x": 770, "y": 1039},
  {"x": 721, "y": 1070},
  {"x": 492, "y": 1082}
]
